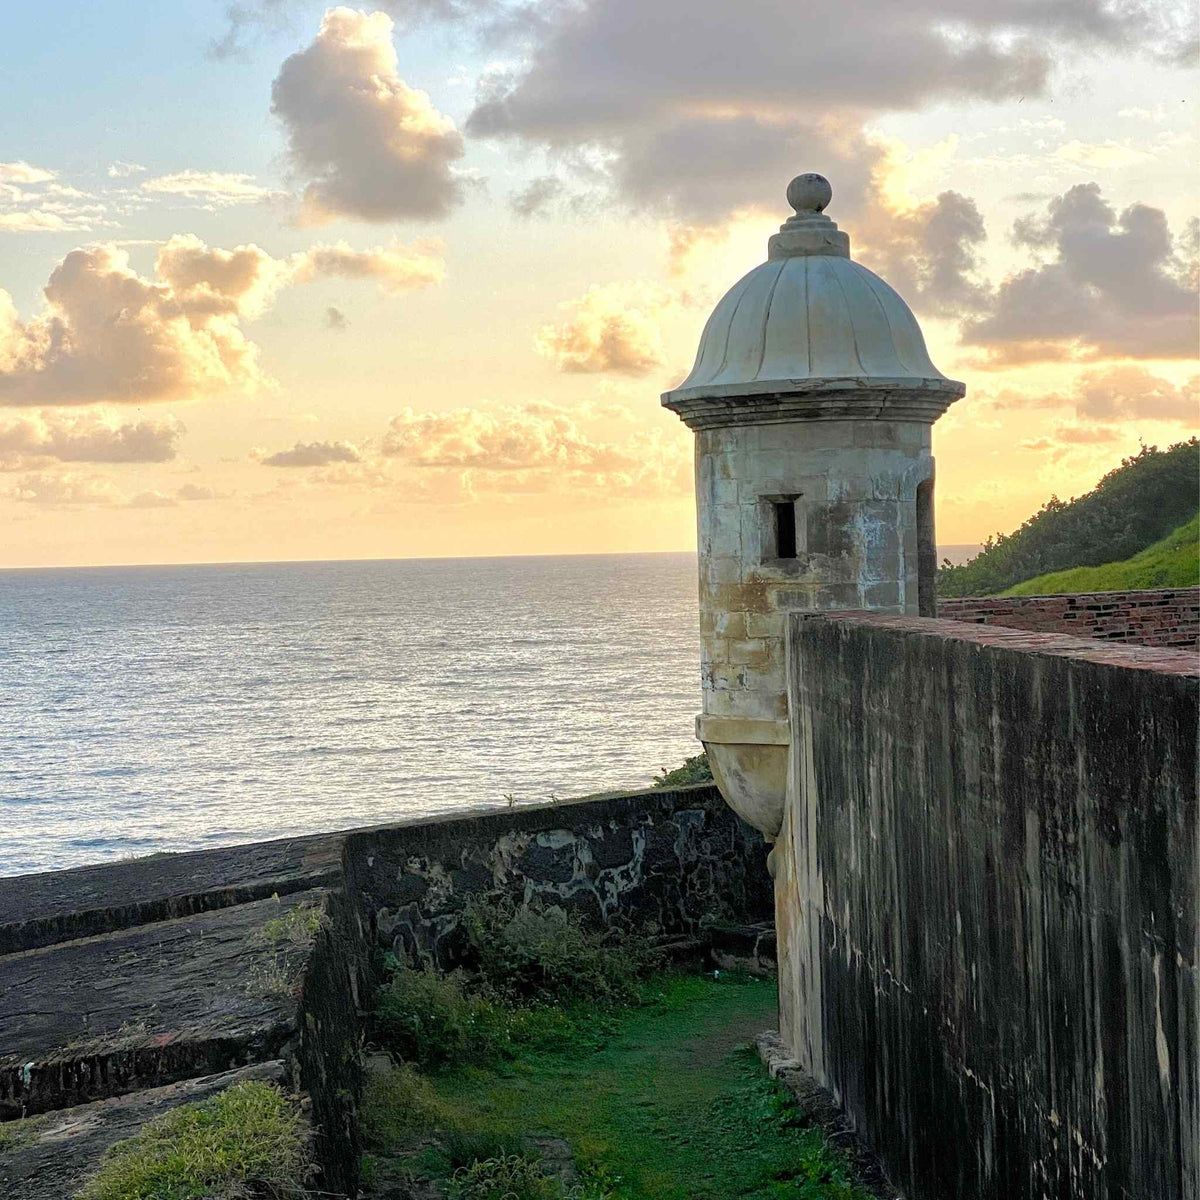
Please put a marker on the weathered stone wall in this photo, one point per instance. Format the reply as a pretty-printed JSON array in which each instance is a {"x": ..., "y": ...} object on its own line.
[
  {"x": 854, "y": 489},
  {"x": 987, "y": 905},
  {"x": 668, "y": 857},
  {"x": 1151, "y": 617}
]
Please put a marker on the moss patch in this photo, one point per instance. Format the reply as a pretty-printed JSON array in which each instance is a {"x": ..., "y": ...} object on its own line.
[
  {"x": 668, "y": 1105},
  {"x": 247, "y": 1137}
]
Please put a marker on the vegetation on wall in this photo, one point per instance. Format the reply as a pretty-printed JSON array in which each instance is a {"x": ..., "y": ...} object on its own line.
[
  {"x": 1173, "y": 562},
  {"x": 249, "y": 1140},
  {"x": 694, "y": 770},
  {"x": 1134, "y": 506}
]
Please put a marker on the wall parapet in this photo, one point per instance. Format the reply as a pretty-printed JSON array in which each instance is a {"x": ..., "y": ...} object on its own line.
[
  {"x": 1148, "y": 617},
  {"x": 987, "y": 888}
]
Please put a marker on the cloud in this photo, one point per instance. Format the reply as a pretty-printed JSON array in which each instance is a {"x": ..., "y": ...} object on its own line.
[
  {"x": 23, "y": 172},
  {"x": 699, "y": 109},
  {"x": 1114, "y": 286},
  {"x": 1105, "y": 155},
  {"x": 397, "y": 267},
  {"x": 67, "y": 490},
  {"x": 314, "y": 454},
  {"x": 32, "y": 202},
  {"x": 123, "y": 170},
  {"x": 369, "y": 146},
  {"x": 153, "y": 499},
  {"x": 1133, "y": 393},
  {"x": 536, "y": 198},
  {"x": 538, "y": 448},
  {"x": 612, "y": 327},
  {"x": 335, "y": 318},
  {"x": 195, "y": 491},
  {"x": 111, "y": 334},
  {"x": 217, "y": 188},
  {"x": 928, "y": 253},
  {"x": 87, "y": 439}
]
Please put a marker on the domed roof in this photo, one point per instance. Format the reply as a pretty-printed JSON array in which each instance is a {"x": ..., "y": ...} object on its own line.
[{"x": 811, "y": 319}]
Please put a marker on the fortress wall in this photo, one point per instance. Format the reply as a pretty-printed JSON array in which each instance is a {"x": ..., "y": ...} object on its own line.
[
  {"x": 670, "y": 857},
  {"x": 1150, "y": 617},
  {"x": 987, "y": 905}
]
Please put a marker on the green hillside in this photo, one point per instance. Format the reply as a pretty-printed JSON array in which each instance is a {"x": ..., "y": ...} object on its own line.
[
  {"x": 1136, "y": 505},
  {"x": 1173, "y": 562}
]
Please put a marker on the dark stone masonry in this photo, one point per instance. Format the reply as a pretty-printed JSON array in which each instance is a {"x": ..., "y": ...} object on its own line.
[{"x": 128, "y": 988}]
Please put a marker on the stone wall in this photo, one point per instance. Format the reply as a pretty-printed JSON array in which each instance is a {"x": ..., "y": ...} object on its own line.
[
  {"x": 987, "y": 905},
  {"x": 1151, "y": 617},
  {"x": 671, "y": 857}
]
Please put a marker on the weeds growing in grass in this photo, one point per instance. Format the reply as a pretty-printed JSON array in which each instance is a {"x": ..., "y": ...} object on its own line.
[
  {"x": 246, "y": 1138},
  {"x": 397, "y": 1105},
  {"x": 508, "y": 1177}
]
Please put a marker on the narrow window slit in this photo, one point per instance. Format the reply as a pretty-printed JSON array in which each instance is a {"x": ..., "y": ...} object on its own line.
[{"x": 785, "y": 528}]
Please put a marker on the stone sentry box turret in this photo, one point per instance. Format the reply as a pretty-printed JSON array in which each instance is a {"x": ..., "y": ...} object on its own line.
[{"x": 812, "y": 399}]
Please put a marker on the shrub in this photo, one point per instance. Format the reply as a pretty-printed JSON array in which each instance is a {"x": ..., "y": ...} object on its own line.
[
  {"x": 247, "y": 1137},
  {"x": 694, "y": 770},
  {"x": 428, "y": 1018},
  {"x": 549, "y": 956}
]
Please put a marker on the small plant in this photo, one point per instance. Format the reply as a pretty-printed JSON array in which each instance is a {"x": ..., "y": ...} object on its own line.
[
  {"x": 459, "y": 1148},
  {"x": 299, "y": 926},
  {"x": 247, "y": 1137},
  {"x": 554, "y": 798},
  {"x": 509, "y": 1177},
  {"x": 694, "y": 770}
]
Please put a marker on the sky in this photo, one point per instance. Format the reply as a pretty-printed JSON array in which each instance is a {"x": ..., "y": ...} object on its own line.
[{"x": 282, "y": 281}]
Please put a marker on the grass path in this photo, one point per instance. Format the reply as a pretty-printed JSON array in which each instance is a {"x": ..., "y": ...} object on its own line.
[{"x": 669, "y": 1104}]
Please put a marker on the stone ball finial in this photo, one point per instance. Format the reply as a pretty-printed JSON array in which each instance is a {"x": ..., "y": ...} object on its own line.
[{"x": 809, "y": 192}]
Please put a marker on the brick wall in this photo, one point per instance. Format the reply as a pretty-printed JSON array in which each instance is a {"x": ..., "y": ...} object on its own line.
[{"x": 1152, "y": 617}]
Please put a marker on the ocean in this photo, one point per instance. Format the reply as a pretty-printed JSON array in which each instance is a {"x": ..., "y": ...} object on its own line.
[{"x": 148, "y": 709}]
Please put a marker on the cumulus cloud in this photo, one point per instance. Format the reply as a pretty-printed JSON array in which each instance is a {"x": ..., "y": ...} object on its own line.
[
  {"x": 111, "y": 334},
  {"x": 314, "y": 454},
  {"x": 1113, "y": 286},
  {"x": 87, "y": 438},
  {"x": 368, "y": 146},
  {"x": 929, "y": 253},
  {"x": 612, "y": 327},
  {"x": 218, "y": 189},
  {"x": 702, "y": 108},
  {"x": 538, "y": 448}
]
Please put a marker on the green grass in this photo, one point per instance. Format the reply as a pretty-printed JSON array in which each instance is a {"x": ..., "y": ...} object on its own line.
[
  {"x": 1172, "y": 562},
  {"x": 669, "y": 1104},
  {"x": 14, "y": 1134},
  {"x": 248, "y": 1137}
]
